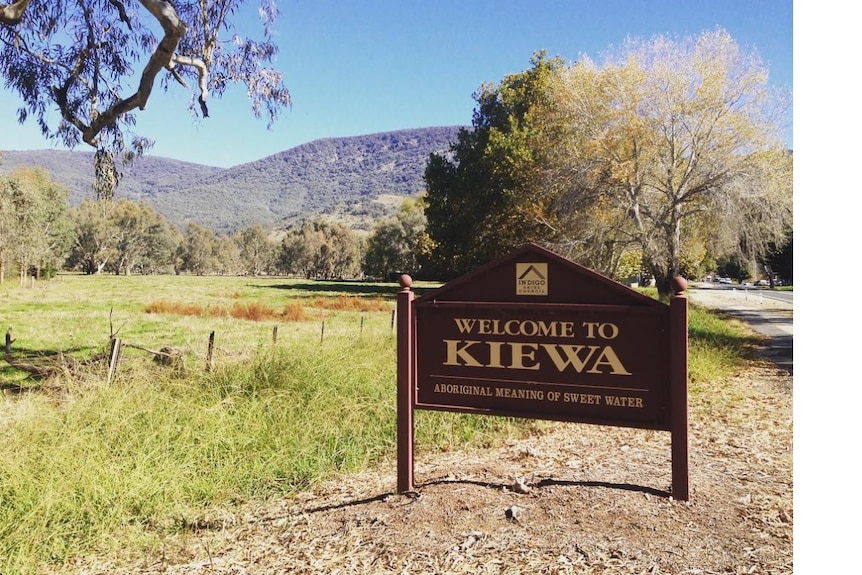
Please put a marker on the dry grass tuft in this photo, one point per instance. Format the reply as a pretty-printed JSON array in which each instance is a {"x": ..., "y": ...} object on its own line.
[
  {"x": 293, "y": 311},
  {"x": 175, "y": 308},
  {"x": 253, "y": 311},
  {"x": 352, "y": 303}
]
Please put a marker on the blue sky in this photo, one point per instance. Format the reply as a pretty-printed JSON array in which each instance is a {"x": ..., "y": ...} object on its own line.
[{"x": 364, "y": 67}]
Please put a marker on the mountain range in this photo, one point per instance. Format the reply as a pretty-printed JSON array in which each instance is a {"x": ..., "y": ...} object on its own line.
[{"x": 354, "y": 179}]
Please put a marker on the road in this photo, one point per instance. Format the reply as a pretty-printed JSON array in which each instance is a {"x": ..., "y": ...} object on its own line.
[
  {"x": 782, "y": 296},
  {"x": 765, "y": 311}
]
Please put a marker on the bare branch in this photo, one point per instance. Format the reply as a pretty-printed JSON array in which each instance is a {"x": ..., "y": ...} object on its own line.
[
  {"x": 203, "y": 74},
  {"x": 121, "y": 10},
  {"x": 37, "y": 370}
]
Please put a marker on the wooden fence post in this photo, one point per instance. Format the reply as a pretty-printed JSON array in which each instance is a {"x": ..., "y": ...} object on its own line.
[
  {"x": 210, "y": 351},
  {"x": 115, "y": 357}
]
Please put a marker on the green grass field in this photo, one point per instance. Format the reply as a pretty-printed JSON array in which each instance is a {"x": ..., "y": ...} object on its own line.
[{"x": 92, "y": 467}]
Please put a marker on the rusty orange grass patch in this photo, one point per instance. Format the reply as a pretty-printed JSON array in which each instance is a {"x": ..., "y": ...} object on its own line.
[
  {"x": 175, "y": 308},
  {"x": 253, "y": 311},
  {"x": 351, "y": 303}
]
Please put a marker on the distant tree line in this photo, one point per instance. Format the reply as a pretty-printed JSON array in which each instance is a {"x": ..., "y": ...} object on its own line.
[{"x": 40, "y": 235}]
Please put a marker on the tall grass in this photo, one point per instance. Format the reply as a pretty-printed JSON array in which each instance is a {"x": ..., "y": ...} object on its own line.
[
  {"x": 717, "y": 345},
  {"x": 96, "y": 467}
]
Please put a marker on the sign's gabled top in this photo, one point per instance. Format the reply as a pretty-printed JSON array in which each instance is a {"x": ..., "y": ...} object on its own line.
[{"x": 533, "y": 274}]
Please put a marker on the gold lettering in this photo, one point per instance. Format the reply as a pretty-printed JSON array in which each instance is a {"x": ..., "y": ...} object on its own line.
[
  {"x": 583, "y": 398},
  {"x": 456, "y": 389},
  {"x": 529, "y": 328},
  {"x": 590, "y": 359},
  {"x": 519, "y": 354},
  {"x": 512, "y": 327},
  {"x": 609, "y": 358},
  {"x": 494, "y": 347},
  {"x": 465, "y": 325},
  {"x": 519, "y": 393},
  {"x": 572, "y": 354},
  {"x": 624, "y": 401},
  {"x": 454, "y": 351}
]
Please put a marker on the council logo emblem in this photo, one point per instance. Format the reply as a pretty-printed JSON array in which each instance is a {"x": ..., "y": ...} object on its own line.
[{"x": 531, "y": 279}]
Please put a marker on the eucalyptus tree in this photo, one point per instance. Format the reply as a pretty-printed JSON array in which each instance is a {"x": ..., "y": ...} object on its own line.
[
  {"x": 121, "y": 237},
  {"x": 320, "y": 250},
  {"x": 35, "y": 225},
  {"x": 81, "y": 57},
  {"x": 197, "y": 251},
  {"x": 396, "y": 242},
  {"x": 296, "y": 255},
  {"x": 227, "y": 256},
  {"x": 257, "y": 253},
  {"x": 7, "y": 220},
  {"x": 343, "y": 251},
  {"x": 144, "y": 240},
  {"x": 94, "y": 245}
]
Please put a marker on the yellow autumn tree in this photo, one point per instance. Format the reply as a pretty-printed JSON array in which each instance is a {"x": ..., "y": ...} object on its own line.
[{"x": 674, "y": 140}]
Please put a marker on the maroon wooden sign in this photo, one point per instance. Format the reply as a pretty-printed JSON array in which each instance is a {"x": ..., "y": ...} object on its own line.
[
  {"x": 561, "y": 362},
  {"x": 537, "y": 336}
]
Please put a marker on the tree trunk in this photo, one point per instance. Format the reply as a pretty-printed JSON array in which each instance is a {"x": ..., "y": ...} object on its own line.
[
  {"x": 663, "y": 283},
  {"x": 663, "y": 277}
]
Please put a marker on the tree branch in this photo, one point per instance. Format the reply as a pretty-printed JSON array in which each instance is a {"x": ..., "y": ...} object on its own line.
[
  {"x": 11, "y": 14},
  {"x": 121, "y": 10},
  {"x": 37, "y": 370},
  {"x": 203, "y": 75},
  {"x": 162, "y": 57}
]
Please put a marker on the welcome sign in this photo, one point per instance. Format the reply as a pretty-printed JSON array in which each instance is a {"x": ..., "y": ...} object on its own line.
[
  {"x": 537, "y": 336},
  {"x": 564, "y": 362}
]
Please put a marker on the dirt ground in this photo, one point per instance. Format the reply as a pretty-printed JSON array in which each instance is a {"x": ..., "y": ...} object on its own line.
[{"x": 574, "y": 499}]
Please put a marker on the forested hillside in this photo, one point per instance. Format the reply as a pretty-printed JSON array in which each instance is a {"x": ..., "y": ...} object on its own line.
[
  {"x": 344, "y": 175},
  {"x": 74, "y": 170}
]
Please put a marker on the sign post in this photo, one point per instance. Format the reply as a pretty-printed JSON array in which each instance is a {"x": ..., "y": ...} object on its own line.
[
  {"x": 406, "y": 384},
  {"x": 679, "y": 389}
]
